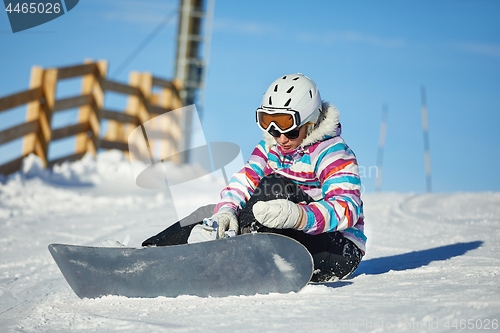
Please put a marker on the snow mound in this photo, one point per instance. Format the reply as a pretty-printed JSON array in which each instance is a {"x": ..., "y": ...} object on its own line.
[{"x": 81, "y": 172}]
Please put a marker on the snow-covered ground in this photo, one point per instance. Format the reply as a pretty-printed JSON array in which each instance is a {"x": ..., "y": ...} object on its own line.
[{"x": 432, "y": 263}]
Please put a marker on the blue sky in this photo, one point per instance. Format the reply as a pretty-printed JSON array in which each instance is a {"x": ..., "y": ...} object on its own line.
[{"x": 361, "y": 54}]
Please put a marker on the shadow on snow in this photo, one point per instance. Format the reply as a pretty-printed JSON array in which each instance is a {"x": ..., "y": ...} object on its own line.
[{"x": 416, "y": 259}]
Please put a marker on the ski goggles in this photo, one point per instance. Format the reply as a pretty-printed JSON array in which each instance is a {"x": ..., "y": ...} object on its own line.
[{"x": 278, "y": 121}]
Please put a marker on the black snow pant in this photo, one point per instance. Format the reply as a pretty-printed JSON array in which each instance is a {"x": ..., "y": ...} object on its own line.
[{"x": 334, "y": 256}]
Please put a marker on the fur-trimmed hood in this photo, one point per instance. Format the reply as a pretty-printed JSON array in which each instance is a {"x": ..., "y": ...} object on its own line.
[{"x": 328, "y": 126}]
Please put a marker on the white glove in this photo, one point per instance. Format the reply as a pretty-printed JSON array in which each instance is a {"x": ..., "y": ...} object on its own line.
[
  {"x": 278, "y": 214},
  {"x": 214, "y": 227},
  {"x": 201, "y": 233},
  {"x": 227, "y": 221}
]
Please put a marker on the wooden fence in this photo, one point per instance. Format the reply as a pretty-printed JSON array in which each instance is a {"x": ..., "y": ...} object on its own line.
[{"x": 142, "y": 105}]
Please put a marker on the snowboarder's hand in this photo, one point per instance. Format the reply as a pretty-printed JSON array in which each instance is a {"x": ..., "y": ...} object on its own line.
[
  {"x": 279, "y": 214},
  {"x": 227, "y": 221}
]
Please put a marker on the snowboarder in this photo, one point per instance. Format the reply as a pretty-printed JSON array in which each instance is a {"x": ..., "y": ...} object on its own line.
[{"x": 301, "y": 181}]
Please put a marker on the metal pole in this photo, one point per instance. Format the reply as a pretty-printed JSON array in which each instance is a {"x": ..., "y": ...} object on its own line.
[
  {"x": 206, "y": 53},
  {"x": 381, "y": 146},
  {"x": 425, "y": 129},
  {"x": 189, "y": 62}
]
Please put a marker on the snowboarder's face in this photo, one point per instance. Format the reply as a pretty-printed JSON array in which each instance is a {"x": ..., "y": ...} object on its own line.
[{"x": 290, "y": 144}]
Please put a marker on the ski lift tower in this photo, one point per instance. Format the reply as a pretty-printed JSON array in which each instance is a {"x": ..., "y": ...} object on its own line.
[{"x": 193, "y": 41}]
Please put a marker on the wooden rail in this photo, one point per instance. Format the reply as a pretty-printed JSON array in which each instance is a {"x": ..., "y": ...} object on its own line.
[{"x": 40, "y": 98}]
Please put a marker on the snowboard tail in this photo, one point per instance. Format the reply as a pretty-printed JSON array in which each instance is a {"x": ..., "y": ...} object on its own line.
[{"x": 243, "y": 265}]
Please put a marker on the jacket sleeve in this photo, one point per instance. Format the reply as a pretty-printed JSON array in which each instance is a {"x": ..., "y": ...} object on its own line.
[
  {"x": 243, "y": 183},
  {"x": 341, "y": 206}
]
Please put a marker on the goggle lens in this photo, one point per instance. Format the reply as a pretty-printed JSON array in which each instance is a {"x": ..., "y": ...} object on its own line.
[{"x": 283, "y": 120}]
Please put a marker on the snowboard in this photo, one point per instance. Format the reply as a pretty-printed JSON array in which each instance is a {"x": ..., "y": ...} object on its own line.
[{"x": 249, "y": 264}]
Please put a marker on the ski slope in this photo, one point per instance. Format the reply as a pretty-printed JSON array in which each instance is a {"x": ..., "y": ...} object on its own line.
[{"x": 432, "y": 263}]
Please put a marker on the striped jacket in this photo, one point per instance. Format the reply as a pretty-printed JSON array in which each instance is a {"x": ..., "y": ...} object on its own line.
[{"x": 323, "y": 166}]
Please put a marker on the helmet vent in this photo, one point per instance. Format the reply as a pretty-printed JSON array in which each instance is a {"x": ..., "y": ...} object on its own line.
[
  {"x": 288, "y": 102},
  {"x": 296, "y": 78},
  {"x": 276, "y": 88},
  {"x": 310, "y": 93},
  {"x": 290, "y": 90},
  {"x": 270, "y": 101},
  {"x": 284, "y": 77}
]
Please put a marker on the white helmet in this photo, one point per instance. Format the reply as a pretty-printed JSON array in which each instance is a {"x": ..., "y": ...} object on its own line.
[{"x": 294, "y": 92}]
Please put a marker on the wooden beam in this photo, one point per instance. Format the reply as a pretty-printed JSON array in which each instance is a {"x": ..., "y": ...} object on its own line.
[
  {"x": 158, "y": 82},
  {"x": 20, "y": 98},
  {"x": 157, "y": 109},
  {"x": 159, "y": 134},
  {"x": 75, "y": 71},
  {"x": 18, "y": 131},
  {"x": 107, "y": 144},
  {"x": 71, "y": 130},
  {"x": 108, "y": 85},
  {"x": 119, "y": 116},
  {"x": 170, "y": 85},
  {"x": 72, "y": 102},
  {"x": 11, "y": 166}
]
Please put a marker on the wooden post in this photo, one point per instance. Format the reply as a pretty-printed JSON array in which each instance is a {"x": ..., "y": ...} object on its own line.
[
  {"x": 98, "y": 93},
  {"x": 49, "y": 92},
  {"x": 184, "y": 120},
  {"x": 132, "y": 107},
  {"x": 165, "y": 124},
  {"x": 91, "y": 113},
  {"x": 41, "y": 111},
  {"x": 145, "y": 85},
  {"x": 177, "y": 127},
  {"x": 156, "y": 125},
  {"x": 136, "y": 106},
  {"x": 176, "y": 99},
  {"x": 123, "y": 130},
  {"x": 170, "y": 100},
  {"x": 115, "y": 130},
  {"x": 31, "y": 142}
]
